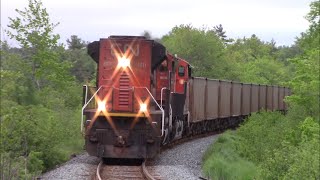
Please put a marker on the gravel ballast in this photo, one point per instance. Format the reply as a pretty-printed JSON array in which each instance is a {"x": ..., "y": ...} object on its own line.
[
  {"x": 81, "y": 167},
  {"x": 182, "y": 161}
]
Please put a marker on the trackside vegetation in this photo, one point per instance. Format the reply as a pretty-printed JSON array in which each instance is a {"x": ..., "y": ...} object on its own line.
[
  {"x": 270, "y": 145},
  {"x": 40, "y": 95},
  {"x": 275, "y": 149}
]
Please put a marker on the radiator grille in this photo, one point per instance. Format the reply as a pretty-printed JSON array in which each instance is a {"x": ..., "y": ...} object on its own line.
[{"x": 124, "y": 84}]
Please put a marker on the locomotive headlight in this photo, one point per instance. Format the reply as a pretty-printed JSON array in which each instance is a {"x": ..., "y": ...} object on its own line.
[
  {"x": 123, "y": 62},
  {"x": 143, "y": 107},
  {"x": 101, "y": 106}
]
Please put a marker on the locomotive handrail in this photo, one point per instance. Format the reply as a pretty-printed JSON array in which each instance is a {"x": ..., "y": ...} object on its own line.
[
  {"x": 160, "y": 107},
  {"x": 162, "y": 93},
  {"x": 84, "y": 106},
  {"x": 85, "y": 98}
]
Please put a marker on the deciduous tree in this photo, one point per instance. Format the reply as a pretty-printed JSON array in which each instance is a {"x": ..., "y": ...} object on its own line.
[{"x": 34, "y": 32}]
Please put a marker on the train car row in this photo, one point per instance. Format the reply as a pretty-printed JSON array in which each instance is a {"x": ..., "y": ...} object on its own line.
[{"x": 229, "y": 102}]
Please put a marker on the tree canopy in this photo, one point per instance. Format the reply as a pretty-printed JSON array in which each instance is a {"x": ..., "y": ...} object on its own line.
[
  {"x": 39, "y": 98},
  {"x": 270, "y": 145}
]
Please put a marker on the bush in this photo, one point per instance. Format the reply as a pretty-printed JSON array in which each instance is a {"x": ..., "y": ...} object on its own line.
[
  {"x": 258, "y": 135},
  {"x": 42, "y": 136},
  {"x": 266, "y": 146},
  {"x": 222, "y": 161}
]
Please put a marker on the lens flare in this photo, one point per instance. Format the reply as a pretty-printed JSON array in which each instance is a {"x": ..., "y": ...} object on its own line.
[
  {"x": 101, "y": 106},
  {"x": 102, "y": 111},
  {"x": 123, "y": 62},
  {"x": 143, "y": 107}
]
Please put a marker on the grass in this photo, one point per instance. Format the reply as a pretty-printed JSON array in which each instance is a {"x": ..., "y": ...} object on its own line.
[{"x": 222, "y": 161}]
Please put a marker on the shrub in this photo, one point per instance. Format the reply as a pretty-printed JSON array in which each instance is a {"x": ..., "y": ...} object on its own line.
[{"x": 222, "y": 161}]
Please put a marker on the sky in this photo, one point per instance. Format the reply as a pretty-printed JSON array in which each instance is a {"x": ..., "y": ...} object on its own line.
[{"x": 281, "y": 20}]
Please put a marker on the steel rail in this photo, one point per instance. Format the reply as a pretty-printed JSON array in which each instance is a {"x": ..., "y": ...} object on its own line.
[
  {"x": 98, "y": 170},
  {"x": 145, "y": 171}
]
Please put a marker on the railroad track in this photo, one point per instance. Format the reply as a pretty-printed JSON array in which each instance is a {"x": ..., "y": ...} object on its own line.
[{"x": 120, "y": 172}]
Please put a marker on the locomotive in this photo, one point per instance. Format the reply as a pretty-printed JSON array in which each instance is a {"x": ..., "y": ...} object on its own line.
[{"x": 146, "y": 98}]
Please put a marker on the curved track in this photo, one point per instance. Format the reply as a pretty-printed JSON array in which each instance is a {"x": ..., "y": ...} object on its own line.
[
  {"x": 98, "y": 177},
  {"x": 146, "y": 173},
  {"x": 124, "y": 172}
]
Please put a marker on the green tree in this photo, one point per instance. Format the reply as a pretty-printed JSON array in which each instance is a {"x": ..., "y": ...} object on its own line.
[
  {"x": 264, "y": 71},
  {"x": 34, "y": 31},
  {"x": 249, "y": 49},
  {"x": 76, "y": 43},
  {"x": 256, "y": 61},
  {"x": 39, "y": 99},
  {"x": 284, "y": 53},
  {"x": 306, "y": 83},
  {"x": 311, "y": 38},
  {"x": 16, "y": 84},
  {"x": 278, "y": 146},
  {"x": 201, "y": 47},
  {"x": 221, "y": 33},
  {"x": 83, "y": 67}
]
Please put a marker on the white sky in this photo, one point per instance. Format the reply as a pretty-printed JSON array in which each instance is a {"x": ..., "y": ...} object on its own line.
[{"x": 282, "y": 20}]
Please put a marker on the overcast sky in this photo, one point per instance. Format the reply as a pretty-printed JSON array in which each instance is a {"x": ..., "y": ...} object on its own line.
[{"x": 282, "y": 20}]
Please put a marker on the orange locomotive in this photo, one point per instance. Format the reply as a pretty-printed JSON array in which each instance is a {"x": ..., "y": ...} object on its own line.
[
  {"x": 145, "y": 98},
  {"x": 127, "y": 115}
]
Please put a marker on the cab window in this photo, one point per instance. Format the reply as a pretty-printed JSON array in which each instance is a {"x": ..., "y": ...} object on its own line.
[
  {"x": 181, "y": 71},
  {"x": 164, "y": 66}
]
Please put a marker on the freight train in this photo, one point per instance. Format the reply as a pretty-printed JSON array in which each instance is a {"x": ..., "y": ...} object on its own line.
[{"x": 146, "y": 98}]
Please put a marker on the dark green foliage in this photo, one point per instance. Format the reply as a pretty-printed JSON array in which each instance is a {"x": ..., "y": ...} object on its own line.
[
  {"x": 247, "y": 60},
  {"x": 76, "y": 43},
  {"x": 305, "y": 83},
  {"x": 221, "y": 33},
  {"x": 284, "y": 53},
  {"x": 311, "y": 38},
  {"x": 83, "y": 67},
  {"x": 40, "y": 101},
  {"x": 255, "y": 61},
  {"x": 34, "y": 31},
  {"x": 222, "y": 161},
  {"x": 281, "y": 147},
  {"x": 201, "y": 47},
  {"x": 267, "y": 146}
]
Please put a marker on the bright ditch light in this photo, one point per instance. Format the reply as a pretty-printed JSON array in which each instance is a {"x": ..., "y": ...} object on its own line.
[
  {"x": 101, "y": 106},
  {"x": 143, "y": 107}
]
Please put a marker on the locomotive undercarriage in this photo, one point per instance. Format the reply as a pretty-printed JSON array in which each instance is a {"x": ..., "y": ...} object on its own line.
[
  {"x": 215, "y": 125},
  {"x": 123, "y": 137},
  {"x": 178, "y": 128}
]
